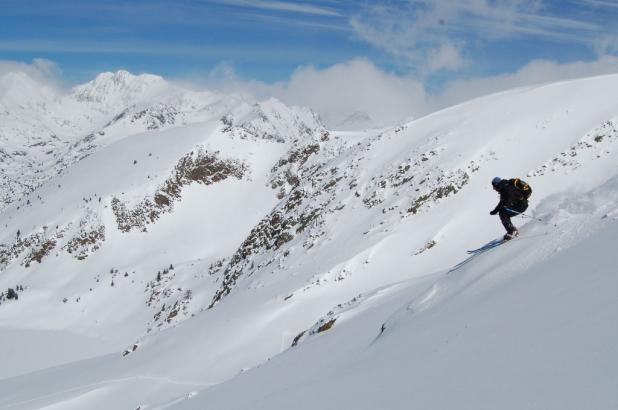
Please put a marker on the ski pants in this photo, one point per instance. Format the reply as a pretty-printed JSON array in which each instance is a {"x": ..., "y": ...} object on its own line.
[{"x": 508, "y": 212}]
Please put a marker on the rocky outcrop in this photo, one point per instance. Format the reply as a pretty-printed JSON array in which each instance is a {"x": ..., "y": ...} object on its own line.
[{"x": 199, "y": 166}]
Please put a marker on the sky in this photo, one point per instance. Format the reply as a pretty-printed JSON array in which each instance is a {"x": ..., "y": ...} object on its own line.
[{"x": 429, "y": 48}]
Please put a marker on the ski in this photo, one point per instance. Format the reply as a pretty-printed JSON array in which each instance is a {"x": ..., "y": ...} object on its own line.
[
  {"x": 487, "y": 246},
  {"x": 498, "y": 242}
]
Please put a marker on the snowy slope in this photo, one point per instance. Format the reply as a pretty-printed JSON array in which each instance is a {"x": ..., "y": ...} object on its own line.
[
  {"x": 229, "y": 238},
  {"x": 528, "y": 325},
  {"x": 87, "y": 238},
  {"x": 43, "y": 131}
]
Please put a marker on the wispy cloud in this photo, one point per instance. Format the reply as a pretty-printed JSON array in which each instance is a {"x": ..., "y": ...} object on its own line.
[
  {"x": 431, "y": 35},
  {"x": 284, "y": 6},
  {"x": 281, "y": 21},
  {"x": 97, "y": 47},
  {"x": 220, "y": 52},
  {"x": 601, "y": 3},
  {"x": 193, "y": 13}
]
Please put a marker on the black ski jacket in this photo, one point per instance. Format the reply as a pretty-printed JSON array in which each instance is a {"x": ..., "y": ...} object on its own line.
[{"x": 510, "y": 196}]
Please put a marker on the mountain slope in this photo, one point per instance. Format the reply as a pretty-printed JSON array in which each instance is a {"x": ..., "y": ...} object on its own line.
[
  {"x": 106, "y": 228},
  {"x": 526, "y": 325},
  {"x": 44, "y": 131},
  {"x": 254, "y": 230}
]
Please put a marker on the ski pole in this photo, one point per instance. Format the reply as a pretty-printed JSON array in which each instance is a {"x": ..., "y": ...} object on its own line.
[{"x": 523, "y": 214}]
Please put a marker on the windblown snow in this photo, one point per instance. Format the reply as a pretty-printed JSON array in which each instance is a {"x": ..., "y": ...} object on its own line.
[{"x": 171, "y": 249}]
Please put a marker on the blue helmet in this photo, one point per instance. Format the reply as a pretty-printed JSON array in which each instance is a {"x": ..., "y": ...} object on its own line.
[{"x": 496, "y": 181}]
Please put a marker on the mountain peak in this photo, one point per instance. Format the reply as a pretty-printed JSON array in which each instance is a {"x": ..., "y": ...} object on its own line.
[{"x": 121, "y": 87}]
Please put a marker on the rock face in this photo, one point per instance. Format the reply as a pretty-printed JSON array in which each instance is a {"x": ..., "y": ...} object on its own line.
[{"x": 201, "y": 166}]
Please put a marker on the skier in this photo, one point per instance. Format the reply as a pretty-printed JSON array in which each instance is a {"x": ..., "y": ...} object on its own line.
[{"x": 514, "y": 194}]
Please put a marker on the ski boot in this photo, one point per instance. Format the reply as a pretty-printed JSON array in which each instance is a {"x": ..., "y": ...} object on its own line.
[{"x": 510, "y": 235}]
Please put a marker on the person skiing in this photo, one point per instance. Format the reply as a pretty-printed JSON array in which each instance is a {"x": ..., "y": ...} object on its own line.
[{"x": 514, "y": 194}]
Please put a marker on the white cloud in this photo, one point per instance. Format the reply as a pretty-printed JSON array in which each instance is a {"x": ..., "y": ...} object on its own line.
[
  {"x": 40, "y": 69},
  {"x": 22, "y": 82},
  {"x": 338, "y": 93},
  {"x": 358, "y": 87},
  {"x": 354, "y": 88},
  {"x": 535, "y": 72}
]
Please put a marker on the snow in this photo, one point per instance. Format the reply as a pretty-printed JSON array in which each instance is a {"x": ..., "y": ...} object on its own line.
[
  {"x": 536, "y": 340},
  {"x": 349, "y": 245},
  {"x": 120, "y": 89},
  {"x": 45, "y": 348}
]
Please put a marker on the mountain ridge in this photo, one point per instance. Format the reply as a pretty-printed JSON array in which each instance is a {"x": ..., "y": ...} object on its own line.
[{"x": 210, "y": 245}]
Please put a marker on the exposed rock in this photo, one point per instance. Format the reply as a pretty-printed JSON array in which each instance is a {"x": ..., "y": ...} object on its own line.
[
  {"x": 199, "y": 166},
  {"x": 86, "y": 242}
]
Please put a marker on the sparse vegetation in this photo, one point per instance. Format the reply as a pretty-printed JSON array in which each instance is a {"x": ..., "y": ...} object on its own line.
[
  {"x": 37, "y": 254},
  {"x": 86, "y": 242},
  {"x": 199, "y": 166}
]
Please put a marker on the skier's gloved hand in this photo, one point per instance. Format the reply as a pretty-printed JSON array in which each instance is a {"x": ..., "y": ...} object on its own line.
[{"x": 495, "y": 211}]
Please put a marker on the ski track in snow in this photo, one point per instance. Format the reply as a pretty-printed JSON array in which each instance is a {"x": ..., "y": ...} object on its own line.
[{"x": 88, "y": 388}]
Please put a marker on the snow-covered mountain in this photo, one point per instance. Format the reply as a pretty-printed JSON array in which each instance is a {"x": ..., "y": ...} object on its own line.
[
  {"x": 194, "y": 250},
  {"x": 43, "y": 131}
]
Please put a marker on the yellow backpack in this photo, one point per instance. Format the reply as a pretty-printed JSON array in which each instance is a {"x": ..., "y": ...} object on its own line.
[{"x": 523, "y": 187}]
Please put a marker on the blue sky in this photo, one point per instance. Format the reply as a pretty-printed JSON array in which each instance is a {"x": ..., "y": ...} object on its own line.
[
  {"x": 267, "y": 40},
  {"x": 390, "y": 59}
]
